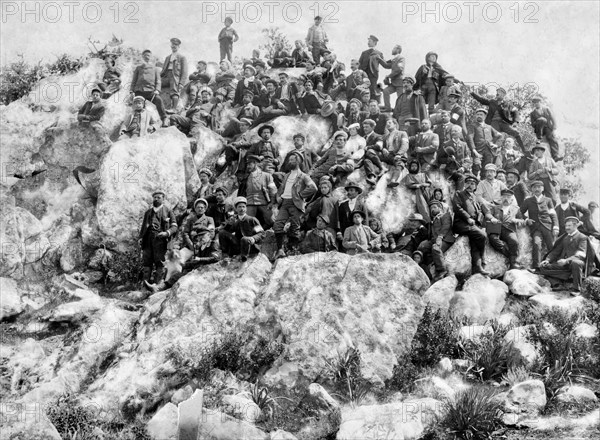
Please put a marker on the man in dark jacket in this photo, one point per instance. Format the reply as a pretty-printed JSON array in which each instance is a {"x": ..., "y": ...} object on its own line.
[
  {"x": 441, "y": 238},
  {"x": 347, "y": 207},
  {"x": 158, "y": 226},
  {"x": 394, "y": 79},
  {"x": 544, "y": 124},
  {"x": 369, "y": 63},
  {"x": 513, "y": 182},
  {"x": 468, "y": 221},
  {"x": 296, "y": 187},
  {"x": 247, "y": 83},
  {"x": 174, "y": 73},
  {"x": 92, "y": 111},
  {"x": 412, "y": 235},
  {"x": 503, "y": 236},
  {"x": 217, "y": 208},
  {"x": 146, "y": 82},
  {"x": 567, "y": 258},
  {"x": 266, "y": 149},
  {"x": 319, "y": 239},
  {"x": 501, "y": 115},
  {"x": 429, "y": 79},
  {"x": 242, "y": 233},
  {"x": 540, "y": 209},
  {"x": 409, "y": 105},
  {"x": 568, "y": 208}
]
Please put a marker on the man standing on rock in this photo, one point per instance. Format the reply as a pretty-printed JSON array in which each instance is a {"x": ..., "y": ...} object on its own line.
[
  {"x": 567, "y": 258},
  {"x": 146, "y": 82},
  {"x": 158, "y": 227},
  {"x": 543, "y": 123},
  {"x": 175, "y": 72},
  {"x": 316, "y": 40},
  {"x": 260, "y": 192},
  {"x": 468, "y": 221},
  {"x": 369, "y": 63},
  {"x": 296, "y": 187},
  {"x": 441, "y": 238}
]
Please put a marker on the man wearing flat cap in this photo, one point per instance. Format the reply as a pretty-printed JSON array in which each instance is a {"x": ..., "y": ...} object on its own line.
[
  {"x": 92, "y": 111},
  {"x": 319, "y": 239},
  {"x": 295, "y": 189},
  {"x": 567, "y": 258},
  {"x": 569, "y": 208},
  {"x": 541, "y": 219},
  {"x": 484, "y": 139},
  {"x": 308, "y": 157},
  {"x": 469, "y": 216},
  {"x": 316, "y": 39},
  {"x": 242, "y": 233},
  {"x": 544, "y": 124},
  {"x": 218, "y": 209},
  {"x": 198, "y": 80},
  {"x": 250, "y": 83},
  {"x": 158, "y": 226},
  {"x": 514, "y": 183},
  {"x": 197, "y": 224},
  {"x": 503, "y": 236},
  {"x": 140, "y": 122},
  {"x": 146, "y": 82},
  {"x": 174, "y": 73},
  {"x": 369, "y": 62},
  {"x": 502, "y": 115},
  {"x": 429, "y": 79},
  {"x": 336, "y": 161},
  {"x": 414, "y": 232},
  {"x": 260, "y": 191},
  {"x": 440, "y": 240},
  {"x": 543, "y": 168},
  {"x": 409, "y": 105},
  {"x": 488, "y": 190}
]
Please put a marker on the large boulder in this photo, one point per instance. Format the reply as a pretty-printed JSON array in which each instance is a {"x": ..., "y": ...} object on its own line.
[
  {"x": 163, "y": 425},
  {"x": 561, "y": 300},
  {"x": 458, "y": 259},
  {"x": 518, "y": 336},
  {"x": 197, "y": 311},
  {"x": 524, "y": 400},
  {"x": 525, "y": 284},
  {"x": 371, "y": 302},
  {"x": 10, "y": 299},
  {"x": 131, "y": 171},
  {"x": 439, "y": 295},
  {"x": 480, "y": 300}
]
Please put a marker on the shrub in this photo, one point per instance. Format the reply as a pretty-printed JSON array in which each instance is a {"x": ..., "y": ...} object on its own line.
[
  {"x": 125, "y": 267},
  {"x": 403, "y": 376},
  {"x": 515, "y": 375},
  {"x": 490, "y": 356},
  {"x": 472, "y": 415},
  {"x": 345, "y": 372},
  {"x": 564, "y": 357},
  {"x": 436, "y": 337},
  {"x": 18, "y": 78},
  {"x": 262, "y": 356},
  {"x": 71, "y": 419}
]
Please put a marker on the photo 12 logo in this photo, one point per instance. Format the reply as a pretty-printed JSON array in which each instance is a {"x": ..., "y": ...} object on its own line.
[
  {"x": 254, "y": 12},
  {"x": 69, "y": 12}
]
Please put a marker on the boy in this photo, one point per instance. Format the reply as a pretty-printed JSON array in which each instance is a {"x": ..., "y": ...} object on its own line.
[{"x": 227, "y": 37}]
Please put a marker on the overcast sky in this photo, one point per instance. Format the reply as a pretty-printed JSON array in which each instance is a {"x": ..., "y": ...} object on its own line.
[{"x": 553, "y": 44}]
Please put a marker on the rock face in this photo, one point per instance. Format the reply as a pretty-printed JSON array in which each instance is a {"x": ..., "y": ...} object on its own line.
[
  {"x": 562, "y": 300},
  {"x": 131, "y": 171},
  {"x": 10, "y": 299},
  {"x": 370, "y": 302},
  {"x": 525, "y": 284},
  {"x": 480, "y": 300},
  {"x": 458, "y": 259}
]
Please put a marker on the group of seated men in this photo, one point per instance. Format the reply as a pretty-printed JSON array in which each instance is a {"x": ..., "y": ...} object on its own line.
[{"x": 424, "y": 136}]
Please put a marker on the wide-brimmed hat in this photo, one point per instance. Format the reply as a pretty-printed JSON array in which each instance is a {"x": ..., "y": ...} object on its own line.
[
  {"x": 328, "y": 108},
  {"x": 268, "y": 127},
  {"x": 353, "y": 185},
  {"x": 358, "y": 211}
]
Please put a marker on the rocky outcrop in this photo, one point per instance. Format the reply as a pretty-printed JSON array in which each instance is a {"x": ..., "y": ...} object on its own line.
[
  {"x": 480, "y": 300},
  {"x": 370, "y": 302},
  {"x": 458, "y": 259},
  {"x": 525, "y": 284}
]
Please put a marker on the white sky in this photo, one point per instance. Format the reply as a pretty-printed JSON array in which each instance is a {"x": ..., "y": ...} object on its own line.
[{"x": 553, "y": 44}]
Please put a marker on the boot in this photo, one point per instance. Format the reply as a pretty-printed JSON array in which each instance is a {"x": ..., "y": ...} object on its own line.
[
  {"x": 279, "y": 240},
  {"x": 293, "y": 244},
  {"x": 156, "y": 287},
  {"x": 513, "y": 262},
  {"x": 147, "y": 273},
  {"x": 478, "y": 268},
  {"x": 174, "y": 102}
]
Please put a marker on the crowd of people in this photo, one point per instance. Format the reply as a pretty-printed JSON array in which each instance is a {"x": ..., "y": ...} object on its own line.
[{"x": 498, "y": 184}]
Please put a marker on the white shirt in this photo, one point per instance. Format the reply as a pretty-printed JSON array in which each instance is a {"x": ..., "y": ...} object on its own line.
[
  {"x": 287, "y": 191},
  {"x": 352, "y": 203}
]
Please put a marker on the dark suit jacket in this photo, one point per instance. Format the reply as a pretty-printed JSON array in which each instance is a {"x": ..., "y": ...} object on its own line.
[
  {"x": 345, "y": 214},
  {"x": 309, "y": 157},
  {"x": 369, "y": 64},
  {"x": 437, "y": 76},
  {"x": 241, "y": 88},
  {"x": 180, "y": 68},
  {"x": 574, "y": 209},
  {"x": 95, "y": 113},
  {"x": 466, "y": 207},
  {"x": 167, "y": 223},
  {"x": 569, "y": 247},
  {"x": 542, "y": 213},
  {"x": 441, "y": 226},
  {"x": 494, "y": 106},
  {"x": 521, "y": 192}
]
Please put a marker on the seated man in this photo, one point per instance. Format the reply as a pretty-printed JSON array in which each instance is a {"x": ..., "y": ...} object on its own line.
[
  {"x": 567, "y": 257},
  {"x": 503, "y": 235},
  {"x": 217, "y": 209},
  {"x": 198, "y": 115},
  {"x": 441, "y": 238},
  {"x": 92, "y": 111},
  {"x": 568, "y": 208},
  {"x": 374, "y": 152},
  {"x": 489, "y": 189},
  {"x": 241, "y": 234},
  {"x": 358, "y": 237},
  {"x": 336, "y": 161},
  {"x": 270, "y": 103},
  {"x": 235, "y": 151},
  {"x": 196, "y": 223},
  {"x": 266, "y": 149},
  {"x": 468, "y": 221},
  {"x": 412, "y": 235},
  {"x": 319, "y": 239},
  {"x": 140, "y": 122}
]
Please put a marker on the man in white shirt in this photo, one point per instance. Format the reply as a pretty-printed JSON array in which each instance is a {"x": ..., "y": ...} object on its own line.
[{"x": 488, "y": 191}]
